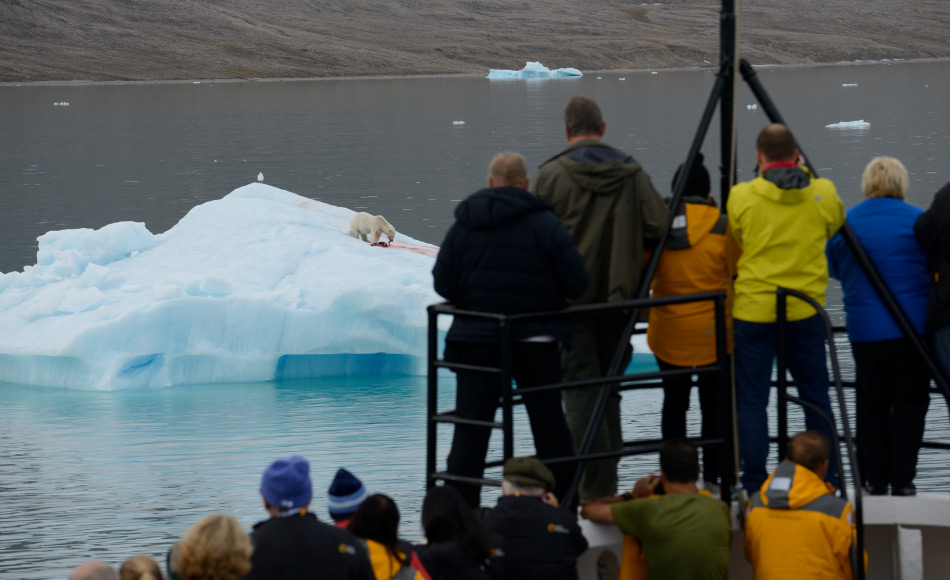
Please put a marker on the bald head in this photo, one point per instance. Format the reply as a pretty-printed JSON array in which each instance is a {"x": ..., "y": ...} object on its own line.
[
  {"x": 93, "y": 571},
  {"x": 508, "y": 169},
  {"x": 810, "y": 449},
  {"x": 776, "y": 143}
]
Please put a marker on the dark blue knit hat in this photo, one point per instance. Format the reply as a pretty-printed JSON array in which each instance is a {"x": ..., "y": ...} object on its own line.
[
  {"x": 286, "y": 483},
  {"x": 346, "y": 493}
]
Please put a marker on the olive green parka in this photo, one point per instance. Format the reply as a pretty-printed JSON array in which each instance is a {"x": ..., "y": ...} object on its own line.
[{"x": 609, "y": 205}]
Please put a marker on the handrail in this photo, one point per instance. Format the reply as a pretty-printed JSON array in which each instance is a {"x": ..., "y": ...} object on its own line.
[
  {"x": 510, "y": 398},
  {"x": 782, "y": 294}
]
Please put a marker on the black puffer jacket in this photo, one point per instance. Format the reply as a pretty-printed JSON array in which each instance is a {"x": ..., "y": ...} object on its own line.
[
  {"x": 933, "y": 234},
  {"x": 508, "y": 253}
]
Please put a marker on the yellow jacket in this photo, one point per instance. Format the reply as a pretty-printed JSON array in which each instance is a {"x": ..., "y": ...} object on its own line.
[
  {"x": 782, "y": 221},
  {"x": 685, "y": 334},
  {"x": 796, "y": 528},
  {"x": 387, "y": 567}
]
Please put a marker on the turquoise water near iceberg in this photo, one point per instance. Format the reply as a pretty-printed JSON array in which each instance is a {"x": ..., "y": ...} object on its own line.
[{"x": 109, "y": 474}]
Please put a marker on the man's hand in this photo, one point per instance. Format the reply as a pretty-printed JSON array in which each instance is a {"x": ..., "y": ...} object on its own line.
[
  {"x": 646, "y": 486},
  {"x": 550, "y": 499}
]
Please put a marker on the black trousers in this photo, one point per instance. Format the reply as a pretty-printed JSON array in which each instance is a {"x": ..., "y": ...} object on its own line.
[
  {"x": 676, "y": 403},
  {"x": 893, "y": 397},
  {"x": 478, "y": 395}
]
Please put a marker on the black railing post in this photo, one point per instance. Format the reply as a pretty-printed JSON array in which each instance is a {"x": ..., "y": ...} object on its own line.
[
  {"x": 724, "y": 402},
  {"x": 508, "y": 431},
  {"x": 781, "y": 383},
  {"x": 433, "y": 396},
  {"x": 857, "y": 555}
]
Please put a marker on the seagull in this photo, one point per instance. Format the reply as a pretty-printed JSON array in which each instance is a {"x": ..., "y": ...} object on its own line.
[{"x": 260, "y": 177}]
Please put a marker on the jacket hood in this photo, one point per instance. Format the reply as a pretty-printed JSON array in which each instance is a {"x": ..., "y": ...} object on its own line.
[
  {"x": 696, "y": 219},
  {"x": 498, "y": 207},
  {"x": 792, "y": 486},
  {"x": 597, "y": 167},
  {"x": 782, "y": 185}
]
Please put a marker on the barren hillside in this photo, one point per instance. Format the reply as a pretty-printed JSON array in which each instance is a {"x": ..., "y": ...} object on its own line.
[{"x": 189, "y": 39}]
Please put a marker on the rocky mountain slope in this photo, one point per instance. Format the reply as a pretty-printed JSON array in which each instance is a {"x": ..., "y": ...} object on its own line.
[{"x": 97, "y": 40}]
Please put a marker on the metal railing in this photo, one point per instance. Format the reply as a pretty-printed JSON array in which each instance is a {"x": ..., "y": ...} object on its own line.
[
  {"x": 620, "y": 382},
  {"x": 782, "y": 294}
]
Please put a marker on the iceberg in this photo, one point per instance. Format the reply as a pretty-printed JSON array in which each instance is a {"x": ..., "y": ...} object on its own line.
[
  {"x": 260, "y": 285},
  {"x": 533, "y": 70},
  {"x": 849, "y": 125}
]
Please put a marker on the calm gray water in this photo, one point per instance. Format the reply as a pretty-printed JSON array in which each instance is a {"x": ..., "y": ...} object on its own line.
[
  {"x": 151, "y": 152},
  {"x": 110, "y": 474}
]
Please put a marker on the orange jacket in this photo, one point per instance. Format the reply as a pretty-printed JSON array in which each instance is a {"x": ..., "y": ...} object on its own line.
[
  {"x": 796, "y": 528},
  {"x": 685, "y": 334}
]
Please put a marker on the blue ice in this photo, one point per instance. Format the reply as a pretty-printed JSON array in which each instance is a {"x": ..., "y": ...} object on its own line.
[{"x": 534, "y": 70}]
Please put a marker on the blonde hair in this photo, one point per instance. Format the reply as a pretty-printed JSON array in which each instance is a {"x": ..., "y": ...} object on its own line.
[
  {"x": 215, "y": 548},
  {"x": 140, "y": 568},
  {"x": 885, "y": 177},
  {"x": 508, "y": 169}
]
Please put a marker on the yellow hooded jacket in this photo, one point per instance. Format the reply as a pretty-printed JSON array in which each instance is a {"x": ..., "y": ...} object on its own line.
[
  {"x": 782, "y": 220},
  {"x": 796, "y": 528}
]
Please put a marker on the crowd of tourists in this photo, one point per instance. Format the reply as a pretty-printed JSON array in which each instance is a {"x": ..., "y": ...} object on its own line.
[
  {"x": 580, "y": 233},
  {"x": 525, "y": 535}
]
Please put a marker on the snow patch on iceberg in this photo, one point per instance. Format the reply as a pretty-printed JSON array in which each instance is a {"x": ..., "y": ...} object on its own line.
[
  {"x": 260, "y": 285},
  {"x": 849, "y": 125},
  {"x": 533, "y": 70}
]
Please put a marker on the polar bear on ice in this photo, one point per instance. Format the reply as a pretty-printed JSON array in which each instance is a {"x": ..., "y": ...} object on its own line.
[{"x": 370, "y": 227}]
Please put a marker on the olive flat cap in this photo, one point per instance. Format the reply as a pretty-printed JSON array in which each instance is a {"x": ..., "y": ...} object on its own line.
[{"x": 528, "y": 471}]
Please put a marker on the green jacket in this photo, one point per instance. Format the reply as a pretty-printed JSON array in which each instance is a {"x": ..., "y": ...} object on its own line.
[{"x": 608, "y": 203}]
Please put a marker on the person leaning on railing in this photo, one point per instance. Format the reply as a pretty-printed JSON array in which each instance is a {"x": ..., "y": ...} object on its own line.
[
  {"x": 893, "y": 379},
  {"x": 783, "y": 220}
]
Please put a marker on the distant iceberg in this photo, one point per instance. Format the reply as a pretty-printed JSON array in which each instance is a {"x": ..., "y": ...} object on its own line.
[
  {"x": 534, "y": 70},
  {"x": 260, "y": 285},
  {"x": 849, "y": 125}
]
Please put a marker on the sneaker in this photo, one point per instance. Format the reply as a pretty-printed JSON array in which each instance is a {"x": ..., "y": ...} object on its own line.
[{"x": 906, "y": 491}]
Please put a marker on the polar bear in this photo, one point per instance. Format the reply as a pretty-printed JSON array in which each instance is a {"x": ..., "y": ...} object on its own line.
[{"x": 370, "y": 227}]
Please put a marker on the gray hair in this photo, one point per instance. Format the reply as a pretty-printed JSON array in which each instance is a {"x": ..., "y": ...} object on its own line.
[{"x": 511, "y": 488}]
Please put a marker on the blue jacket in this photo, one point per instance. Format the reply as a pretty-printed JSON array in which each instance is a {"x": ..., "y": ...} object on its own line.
[{"x": 885, "y": 227}]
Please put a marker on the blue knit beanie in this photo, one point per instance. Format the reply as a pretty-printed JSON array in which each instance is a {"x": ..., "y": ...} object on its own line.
[
  {"x": 286, "y": 483},
  {"x": 346, "y": 493}
]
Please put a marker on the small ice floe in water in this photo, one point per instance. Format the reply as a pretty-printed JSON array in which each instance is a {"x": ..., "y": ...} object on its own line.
[
  {"x": 622, "y": 79},
  {"x": 849, "y": 125},
  {"x": 850, "y": 84},
  {"x": 752, "y": 107},
  {"x": 654, "y": 73},
  {"x": 61, "y": 104},
  {"x": 599, "y": 78},
  {"x": 458, "y": 123},
  {"x": 260, "y": 177},
  {"x": 534, "y": 70}
]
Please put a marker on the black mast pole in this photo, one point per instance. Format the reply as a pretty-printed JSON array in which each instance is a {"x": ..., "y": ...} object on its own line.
[{"x": 727, "y": 59}]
